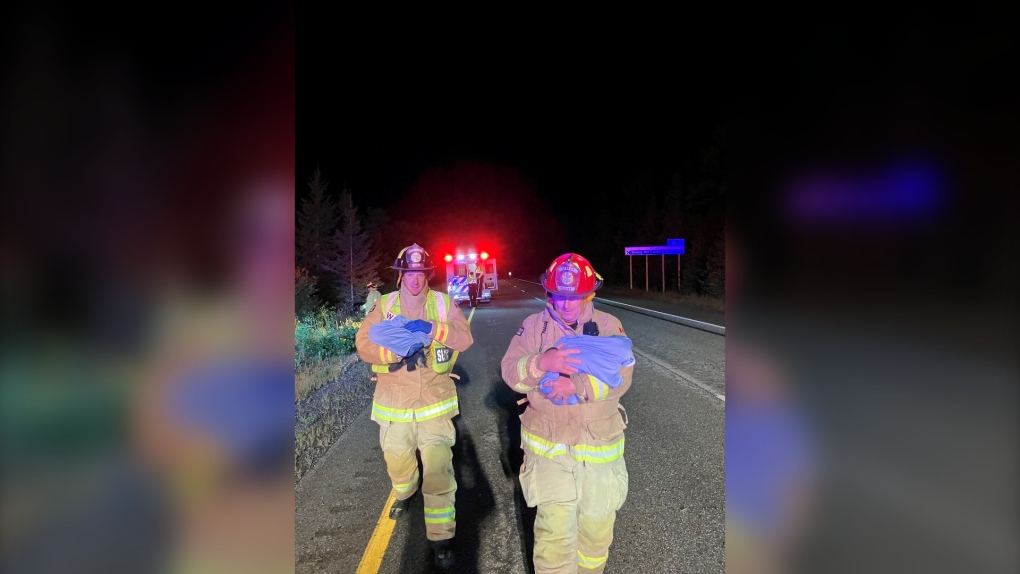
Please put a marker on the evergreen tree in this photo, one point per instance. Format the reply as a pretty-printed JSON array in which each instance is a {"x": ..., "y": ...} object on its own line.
[
  {"x": 714, "y": 282},
  {"x": 316, "y": 221},
  {"x": 305, "y": 288},
  {"x": 352, "y": 262}
]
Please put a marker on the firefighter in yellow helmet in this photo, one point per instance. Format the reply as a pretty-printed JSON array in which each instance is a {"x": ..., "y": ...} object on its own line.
[
  {"x": 573, "y": 470},
  {"x": 415, "y": 399},
  {"x": 371, "y": 298}
]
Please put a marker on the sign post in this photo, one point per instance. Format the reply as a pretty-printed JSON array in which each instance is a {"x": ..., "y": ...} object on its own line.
[
  {"x": 654, "y": 250},
  {"x": 674, "y": 243},
  {"x": 675, "y": 247}
]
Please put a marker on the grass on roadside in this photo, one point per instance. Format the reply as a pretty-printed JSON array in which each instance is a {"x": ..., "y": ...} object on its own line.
[{"x": 323, "y": 346}]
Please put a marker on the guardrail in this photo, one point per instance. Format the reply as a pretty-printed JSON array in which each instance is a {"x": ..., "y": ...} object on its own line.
[{"x": 717, "y": 329}]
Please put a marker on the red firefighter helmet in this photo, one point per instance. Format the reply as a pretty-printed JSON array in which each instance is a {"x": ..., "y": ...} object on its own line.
[{"x": 572, "y": 275}]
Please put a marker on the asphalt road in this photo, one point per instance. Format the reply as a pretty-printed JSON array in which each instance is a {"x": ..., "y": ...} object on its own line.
[{"x": 673, "y": 519}]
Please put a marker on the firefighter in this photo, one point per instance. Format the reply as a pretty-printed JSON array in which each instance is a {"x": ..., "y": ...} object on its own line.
[
  {"x": 475, "y": 284},
  {"x": 415, "y": 399},
  {"x": 373, "y": 296},
  {"x": 573, "y": 470}
]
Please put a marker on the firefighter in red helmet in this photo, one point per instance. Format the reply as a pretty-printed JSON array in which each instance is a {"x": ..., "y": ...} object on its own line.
[{"x": 573, "y": 470}]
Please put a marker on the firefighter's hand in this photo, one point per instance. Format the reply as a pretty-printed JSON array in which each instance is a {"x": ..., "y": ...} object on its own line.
[
  {"x": 558, "y": 360},
  {"x": 561, "y": 389},
  {"x": 419, "y": 326}
]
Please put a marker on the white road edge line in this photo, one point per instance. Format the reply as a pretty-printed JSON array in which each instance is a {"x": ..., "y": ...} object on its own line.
[{"x": 681, "y": 375}]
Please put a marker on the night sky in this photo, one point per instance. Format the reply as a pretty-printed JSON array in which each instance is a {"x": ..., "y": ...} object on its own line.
[{"x": 576, "y": 126}]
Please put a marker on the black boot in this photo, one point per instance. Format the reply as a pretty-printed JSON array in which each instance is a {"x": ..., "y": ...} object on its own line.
[
  {"x": 444, "y": 553},
  {"x": 399, "y": 507}
]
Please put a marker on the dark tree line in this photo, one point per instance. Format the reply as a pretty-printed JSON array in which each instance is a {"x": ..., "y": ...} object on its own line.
[
  {"x": 682, "y": 199},
  {"x": 335, "y": 258},
  {"x": 340, "y": 248}
]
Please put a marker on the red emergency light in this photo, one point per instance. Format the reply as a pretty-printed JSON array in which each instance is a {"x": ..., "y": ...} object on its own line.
[
  {"x": 485, "y": 255},
  {"x": 449, "y": 257}
]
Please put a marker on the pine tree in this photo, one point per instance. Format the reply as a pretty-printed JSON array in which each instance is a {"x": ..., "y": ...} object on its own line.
[
  {"x": 714, "y": 282},
  {"x": 305, "y": 301},
  {"x": 316, "y": 222},
  {"x": 352, "y": 262}
]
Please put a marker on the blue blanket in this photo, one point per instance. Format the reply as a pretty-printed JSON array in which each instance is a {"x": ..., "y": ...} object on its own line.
[
  {"x": 392, "y": 335},
  {"x": 601, "y": 357}
]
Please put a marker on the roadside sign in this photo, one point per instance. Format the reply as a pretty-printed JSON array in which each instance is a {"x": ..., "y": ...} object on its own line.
[{"x": 655, "y": 250}]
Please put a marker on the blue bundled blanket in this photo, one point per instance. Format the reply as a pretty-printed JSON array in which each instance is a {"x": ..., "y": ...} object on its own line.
[
  {"x": 392, "y": 335},
  {"x": 601, "y": 357}
]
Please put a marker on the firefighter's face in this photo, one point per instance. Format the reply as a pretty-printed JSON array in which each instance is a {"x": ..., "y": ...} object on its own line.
[
  {"x": 568, "y": 307},
  {"x": 415, "y": 281}
]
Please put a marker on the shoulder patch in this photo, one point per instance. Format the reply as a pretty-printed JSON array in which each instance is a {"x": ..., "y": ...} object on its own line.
[{"x": 520, "y": 331}]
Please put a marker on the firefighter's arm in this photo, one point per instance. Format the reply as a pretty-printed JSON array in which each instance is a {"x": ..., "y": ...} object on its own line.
[
  {"x": 591, "y": 389},
  {"x": 455, "y": 333},
  {"x": 367, "y": 350},
  {"x": 520, "y": 363}
]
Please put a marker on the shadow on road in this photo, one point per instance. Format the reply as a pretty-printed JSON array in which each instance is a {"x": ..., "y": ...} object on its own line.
[
  {"x": 503, "y": 400},
  {"x": 475, "y": 501}
]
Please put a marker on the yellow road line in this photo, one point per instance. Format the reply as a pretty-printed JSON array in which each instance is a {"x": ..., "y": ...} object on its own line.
[{"x": 371, "y": 560}]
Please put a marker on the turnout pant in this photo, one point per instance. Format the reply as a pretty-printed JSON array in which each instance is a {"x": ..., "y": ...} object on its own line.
[
  {"x": 473, "y": 293},
  {"x": 434, "y": 438},
  {"x": 577, "y": 504}
]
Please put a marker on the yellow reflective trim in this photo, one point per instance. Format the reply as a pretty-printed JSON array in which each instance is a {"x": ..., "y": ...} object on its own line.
[
  {"x": 541, "y": 446},
  {"x": 380, "y": 369},
  {"x": 439, "y": 520},
  {"x": 596, "y": 386},
  {"x": 522, "y": 367},
  {"x": 523, "y": 388},
  {"x": 440, "y": 515},
  {"x": 590, "y": 562},
  {"x": 589, "y": 453},
  {"x": 397, "y": 415},
  {"x": 435, "y": 410},
  {"x": 407, "y": 486}
]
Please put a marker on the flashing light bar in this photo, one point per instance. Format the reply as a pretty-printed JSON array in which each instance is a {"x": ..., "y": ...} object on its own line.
[
  {"x": 460, "y": 258},
  {"x": 485, "y": 255},
  {"x": 472, "y": 256},
  {"x": 449, "y": 257}
]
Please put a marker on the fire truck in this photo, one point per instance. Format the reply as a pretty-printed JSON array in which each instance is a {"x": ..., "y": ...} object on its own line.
[{"x": 460, "y": 265}]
